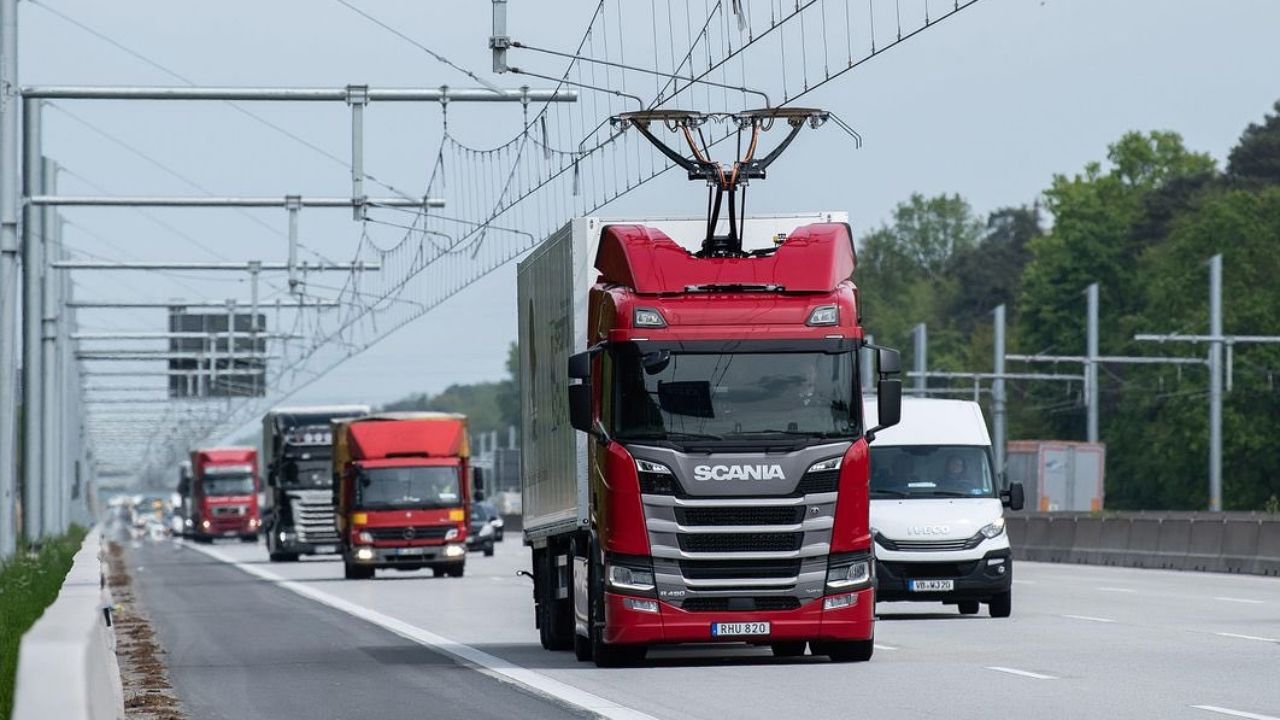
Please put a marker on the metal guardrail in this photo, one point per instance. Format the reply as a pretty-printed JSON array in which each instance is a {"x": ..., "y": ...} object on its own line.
[{"x": 1246, "y": 543}]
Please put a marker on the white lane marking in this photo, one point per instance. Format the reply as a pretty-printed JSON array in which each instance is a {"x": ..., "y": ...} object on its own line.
[
  {"x": 1117, "y": 589},
  {"x": 1090, "y": 618},
  {"x": 884, "y": 647},
  {"x": 1247, "y": 637},
  {"x": 490, "y": 665},
  {"x": 1247, "y": 601},
  {"x": 1234, "y": 713},
  {"x": 1022, "y": 673},
  {"x": 1024, "y": 582}
]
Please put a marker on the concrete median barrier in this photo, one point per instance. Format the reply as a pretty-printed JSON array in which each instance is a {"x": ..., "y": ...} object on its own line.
[
  {"x": 1200, "y": 541},
  {"x": 67, "y": 663}
]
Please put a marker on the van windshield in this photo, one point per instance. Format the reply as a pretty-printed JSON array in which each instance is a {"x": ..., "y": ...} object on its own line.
[{"x": 931, "y": 471}]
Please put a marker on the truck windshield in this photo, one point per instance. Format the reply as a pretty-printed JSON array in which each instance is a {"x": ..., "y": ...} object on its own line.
[
  {"x": 931, "y": 471},
  {"x": 404, "y": 487},
  {"x": 237, "y": 484},
  {"x": 311, "y": 473},
  {"x": 733, "y": 397}
]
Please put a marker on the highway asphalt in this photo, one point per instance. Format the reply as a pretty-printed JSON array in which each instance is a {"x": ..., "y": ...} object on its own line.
[{"x": 1086, "y": 642}]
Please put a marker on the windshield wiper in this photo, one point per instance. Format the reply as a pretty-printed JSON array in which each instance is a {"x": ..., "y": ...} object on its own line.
[
  {"x": 949, "y": 493},
  {"x": 890, "y": 493},
  {"x": 670, "y": 436},
  {"x": 796, "y": 433}
]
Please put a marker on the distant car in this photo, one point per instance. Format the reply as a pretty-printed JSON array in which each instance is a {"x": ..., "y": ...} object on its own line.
[
  {"x": 482, "y": 532},
  {"x": 495, "y": 519}
]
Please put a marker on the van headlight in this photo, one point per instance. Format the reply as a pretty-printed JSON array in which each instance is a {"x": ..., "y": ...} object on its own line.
[
  {"x": 846, "y": 573},
  {"x": 994, "y": 530}
]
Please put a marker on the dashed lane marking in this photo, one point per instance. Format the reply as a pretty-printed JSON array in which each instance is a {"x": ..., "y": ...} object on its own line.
[
  {"x": 1247, "y": 637},
  {"x": 1022, "y": 673},
  {"x": 1234, "y": 713},
  {"x": 1117, "y": 589},
  {"x": 1245, "y": 601},
  {"x": 1089, "y": 618},
  {"x": 491, "y": 665},
  {"x": 1024, "y": 582},
  {"x": 878, "y": 646}
]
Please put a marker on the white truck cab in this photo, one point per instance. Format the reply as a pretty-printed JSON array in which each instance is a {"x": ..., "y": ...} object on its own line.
[{"x": 937, "y": 509}]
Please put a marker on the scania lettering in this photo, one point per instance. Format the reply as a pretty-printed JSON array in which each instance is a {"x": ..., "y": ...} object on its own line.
[
  {"x": 403, "y": 492},
  {"x": 716, "y": 487},
  {"x": 936, "y": 509},
  {"x": 738, "y": 472},
  {"x": 297, "y": 446},
  {"x": 224, "y": 494}
]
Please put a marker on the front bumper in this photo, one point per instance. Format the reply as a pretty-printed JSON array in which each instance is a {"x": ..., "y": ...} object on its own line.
[
  {"x": 291, "y": 544},
  {"x": 416, "y": 556},
  {"x": 671, "y": 624},
  {"x": 225, "y": 528},
  {"x": 976, "y": 579}
]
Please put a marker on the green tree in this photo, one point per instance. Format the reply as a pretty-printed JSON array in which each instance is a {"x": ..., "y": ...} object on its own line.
[{"x": 1256, "y": 158}]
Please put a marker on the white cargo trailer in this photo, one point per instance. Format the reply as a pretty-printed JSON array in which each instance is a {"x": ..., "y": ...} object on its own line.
[{"x": 552, "y": 284}]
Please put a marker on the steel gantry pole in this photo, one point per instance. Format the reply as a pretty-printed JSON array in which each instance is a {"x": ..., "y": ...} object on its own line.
[
  {"x": 32, "y": 320},
  {"x": 1215, "y": 383},
  {"x": 1091, "y": 364},
  {"x": 51, "y": 375},
  {"x": 9, "y": 192},
  {"x": 920, "y": 357},
  {"x": 999, "y": 403}
]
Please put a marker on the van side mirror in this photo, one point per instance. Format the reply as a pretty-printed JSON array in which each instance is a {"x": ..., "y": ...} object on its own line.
[
  {"x": 580, "y": 407},
  {"x": 1014, "y": 498}
]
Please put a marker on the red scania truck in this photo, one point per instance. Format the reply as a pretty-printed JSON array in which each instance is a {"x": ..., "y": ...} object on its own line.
[
  {"x": 224, "y": 494},
  {"x": 402, "y": 491},
  {"x": 707, "y": 480}
]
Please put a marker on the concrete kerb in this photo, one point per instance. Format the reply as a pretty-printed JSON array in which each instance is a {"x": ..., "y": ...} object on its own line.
[
  {"x": 67, "y": 663},
  {"x": 1037, "y": 542},
  {"x": 1268, "y": 559},
  {"x": 1113, "y": 542},
  {"x": 1062, "y": 535},
  {"x": 1088, "y": 540},
  {"x": 1175, "y": 542},
  {"x": 1144, "y": 543}
]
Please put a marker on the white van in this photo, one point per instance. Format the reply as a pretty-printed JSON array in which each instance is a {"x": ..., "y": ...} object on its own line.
[{"x": 937, "y": 509}]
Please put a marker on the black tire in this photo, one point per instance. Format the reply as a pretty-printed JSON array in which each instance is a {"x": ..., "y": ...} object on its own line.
[
  {"x": 1001, "y": 606},
  {"x": 351, "y": 571},
  {"x": 249, "y": 539},
  {"x": 456, "y": 570},
  {"x": 283, "y": 557},
  {"x": 488, "y": 551},
  {"x": 581, "y": 647},
  {"x": 555, "y": 617},
  {"x": 605, "y": 654},
  {"x": 843, "y": 652},
  {"x": 969, "y": 607},
  {"x": 788, "y": 649},
  {"x": 438, "y": 571}
]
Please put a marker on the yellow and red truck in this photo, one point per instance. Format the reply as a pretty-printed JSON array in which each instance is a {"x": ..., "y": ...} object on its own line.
[{"x": 402, "y": 492}]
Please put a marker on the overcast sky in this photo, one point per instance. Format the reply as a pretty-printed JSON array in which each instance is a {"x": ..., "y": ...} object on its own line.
[{"x": 989, "y": 104}]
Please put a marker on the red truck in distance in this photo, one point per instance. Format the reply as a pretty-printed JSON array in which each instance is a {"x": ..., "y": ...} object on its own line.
[
  {"x": 224, "y": 494},
  {"x": 402, "y": 492},
  {"x": 717, "y": 487}
]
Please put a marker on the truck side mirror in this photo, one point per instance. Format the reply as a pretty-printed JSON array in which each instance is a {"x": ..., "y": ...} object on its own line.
[
  {"x": 888, "y": 361},
  {"x": 580, "y": 407},
  {"x": 1014, "y": 498},
  {"x": 889, "y": 402},
  {"x": 580, "y": 365},
  {"x": 477, "y": 482}
]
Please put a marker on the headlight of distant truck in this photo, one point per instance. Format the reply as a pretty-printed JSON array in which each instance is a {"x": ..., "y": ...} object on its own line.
[
  {"x": 849, "y": 574},
  {"x": 451, "y": 534},
  {"x": 995, "y": 529},
  {"x": 365, "y": 536}
]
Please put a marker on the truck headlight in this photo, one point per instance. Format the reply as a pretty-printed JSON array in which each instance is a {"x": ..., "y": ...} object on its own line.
[
  {"x": 365, "y": 536},
  {"x": 826, "y": 465},
  {"x": 364, "y": 553},
  {"x": 451, "y": 534},
  {"x": 630, "y": 579},
  {"x": 205, "y": 524},
  {"x": 845, "y": 574},
  {"x": 648, "y": 466},
  {"x": 823, "y": 315},
  {"x": 995, "y": 529},
  {"x": 454, "y": 551}
]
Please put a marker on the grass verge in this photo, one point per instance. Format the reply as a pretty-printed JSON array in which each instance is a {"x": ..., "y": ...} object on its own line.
[{"x": 29, "y": 583}]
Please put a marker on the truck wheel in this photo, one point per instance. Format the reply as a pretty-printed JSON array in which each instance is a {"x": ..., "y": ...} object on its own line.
[
  {"x": 581, "y": 647},
  {"x": 968, "y": 607},
  {"x": 456, "y": 569},
  {"x": 283, "y": 557},
  {"x": 555, "y": 617},
  {"x": 249, "y": 538},
  {"x": 788, "y": 649},
  {"x": 351, "y": 571},
  {"x": 488, "y": 551},
  {"x": 842, "y": 652},
  {"x": 1001, "y": 606}
]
